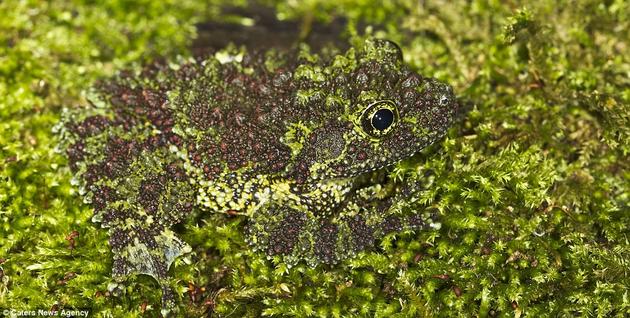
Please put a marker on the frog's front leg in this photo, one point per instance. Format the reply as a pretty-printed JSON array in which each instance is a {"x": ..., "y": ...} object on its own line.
[{"x": 329, "y": 236}]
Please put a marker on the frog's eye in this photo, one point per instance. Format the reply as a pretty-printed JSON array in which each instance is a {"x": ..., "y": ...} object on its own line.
[
  {"x": 379, "y": 118},
  {"x": 382, "y": 119}
]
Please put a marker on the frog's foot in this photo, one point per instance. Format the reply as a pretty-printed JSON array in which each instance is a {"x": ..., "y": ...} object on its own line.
[
  {"x": 343, "y": 237},
  {"x": 143, "y": 250},
  {"x": 296, "y": 235}
]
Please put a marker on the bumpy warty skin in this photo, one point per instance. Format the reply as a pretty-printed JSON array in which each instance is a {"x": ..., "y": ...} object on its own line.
[{"x": 298, "y": 142}]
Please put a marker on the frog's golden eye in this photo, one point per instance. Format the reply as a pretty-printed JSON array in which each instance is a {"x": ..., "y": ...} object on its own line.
[{"x": 379, "y": 118}]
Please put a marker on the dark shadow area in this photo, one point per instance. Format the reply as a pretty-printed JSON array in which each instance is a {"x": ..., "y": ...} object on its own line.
[{"x": 267, "y": 31}]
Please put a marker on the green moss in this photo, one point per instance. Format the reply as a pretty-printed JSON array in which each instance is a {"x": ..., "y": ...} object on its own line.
[{"x": 531, "y": 186}]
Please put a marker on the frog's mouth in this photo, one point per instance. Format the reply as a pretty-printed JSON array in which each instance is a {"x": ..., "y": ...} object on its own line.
[
  {"x": 370, "y": 178},
  {"x": 380, "y": 175}
]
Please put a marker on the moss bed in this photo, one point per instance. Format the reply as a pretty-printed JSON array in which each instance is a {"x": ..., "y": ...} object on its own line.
[{"x": 532, "y": 186}]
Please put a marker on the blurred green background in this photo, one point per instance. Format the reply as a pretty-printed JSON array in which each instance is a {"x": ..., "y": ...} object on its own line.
[{"x": 532, "y": 186}]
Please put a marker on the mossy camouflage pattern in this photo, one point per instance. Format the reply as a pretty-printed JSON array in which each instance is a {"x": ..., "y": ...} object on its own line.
[{"x": 287, "y": 139}]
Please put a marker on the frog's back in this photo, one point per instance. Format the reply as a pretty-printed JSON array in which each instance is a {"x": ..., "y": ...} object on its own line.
[
  {"x": 152, "y": 143},
  {"x": 232, "y": 116}
]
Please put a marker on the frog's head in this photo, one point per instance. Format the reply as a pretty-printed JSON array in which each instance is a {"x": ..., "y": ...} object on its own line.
[{"x": 389, "y": 113}]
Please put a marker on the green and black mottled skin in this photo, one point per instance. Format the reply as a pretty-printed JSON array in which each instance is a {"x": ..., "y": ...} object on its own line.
[{"x": 287, "y": 139}]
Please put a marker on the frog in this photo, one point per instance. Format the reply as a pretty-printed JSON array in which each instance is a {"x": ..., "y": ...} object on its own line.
[{"x": 299, "y": 143}]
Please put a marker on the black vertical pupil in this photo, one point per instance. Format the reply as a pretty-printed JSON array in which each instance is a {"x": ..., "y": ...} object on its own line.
[{"x": 382, "y": 119}]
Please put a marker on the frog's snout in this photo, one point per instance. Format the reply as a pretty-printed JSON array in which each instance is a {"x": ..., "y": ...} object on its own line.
[
  {"x": 441, "y": 95},
  {"x": 444, "y": 95},
  {"x": 443, "y": 105}
]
